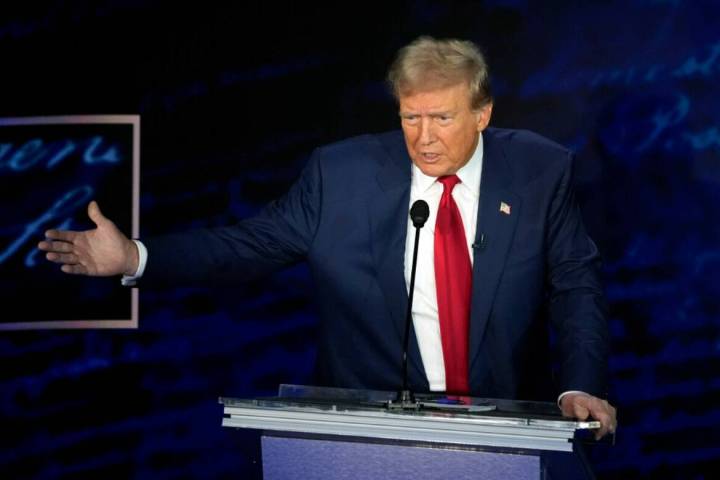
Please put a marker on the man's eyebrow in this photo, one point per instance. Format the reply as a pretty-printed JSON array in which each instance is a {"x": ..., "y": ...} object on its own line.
[{"x": 443, "y": 113}]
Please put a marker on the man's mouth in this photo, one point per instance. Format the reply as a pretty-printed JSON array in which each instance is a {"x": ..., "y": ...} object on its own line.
[{"x": 429, "y": 157}]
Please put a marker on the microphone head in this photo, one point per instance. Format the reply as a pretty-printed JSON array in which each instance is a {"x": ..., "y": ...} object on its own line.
[{"x": 419, "y": 213}]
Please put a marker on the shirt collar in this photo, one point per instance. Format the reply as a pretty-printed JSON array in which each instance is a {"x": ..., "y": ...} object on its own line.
[{"x": 469, "y": 173}]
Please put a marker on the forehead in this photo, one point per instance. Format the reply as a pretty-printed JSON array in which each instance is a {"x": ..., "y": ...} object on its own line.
[{"x": 451, "y": 97}]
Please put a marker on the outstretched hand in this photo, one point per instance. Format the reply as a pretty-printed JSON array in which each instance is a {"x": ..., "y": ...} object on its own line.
[
  {"x": 102, "y": 252},
  {"x": 581, "y": 406}
]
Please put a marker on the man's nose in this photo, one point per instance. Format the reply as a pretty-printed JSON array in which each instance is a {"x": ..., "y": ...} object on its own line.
[{"x": 427, "y": 132}]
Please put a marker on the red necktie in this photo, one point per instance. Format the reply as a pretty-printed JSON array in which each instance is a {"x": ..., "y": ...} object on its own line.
[{"x": 453, "y": 280}]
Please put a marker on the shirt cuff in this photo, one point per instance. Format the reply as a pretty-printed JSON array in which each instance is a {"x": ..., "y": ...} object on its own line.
[
  {"x": 131, "y": 280},
  {"x": 569, "y": 391}
]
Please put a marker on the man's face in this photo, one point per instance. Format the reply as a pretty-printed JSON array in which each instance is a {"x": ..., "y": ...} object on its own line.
[{"x": 441, "y": 129}]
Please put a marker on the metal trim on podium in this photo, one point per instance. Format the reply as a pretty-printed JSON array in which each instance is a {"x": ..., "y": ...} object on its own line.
[{"x": 333, "y": 415}]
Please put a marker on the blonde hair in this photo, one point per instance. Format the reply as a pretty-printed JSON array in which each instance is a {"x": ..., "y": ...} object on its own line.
[{"x": 428, "y": 63}]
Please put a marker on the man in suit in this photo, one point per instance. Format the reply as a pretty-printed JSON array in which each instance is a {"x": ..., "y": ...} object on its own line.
[{"x": 503, "y": 250}]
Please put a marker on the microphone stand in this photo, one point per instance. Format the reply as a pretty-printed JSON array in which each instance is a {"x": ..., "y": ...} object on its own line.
[{"x": 405, "y": 398}]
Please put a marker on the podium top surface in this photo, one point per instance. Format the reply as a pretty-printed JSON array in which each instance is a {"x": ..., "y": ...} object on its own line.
[{"x": 441, "y": 419}]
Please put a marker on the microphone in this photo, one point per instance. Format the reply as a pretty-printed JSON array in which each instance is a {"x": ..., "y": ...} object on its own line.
[
  {"x": 419, "y": 213},
  {"x": 481, "y": 244}
]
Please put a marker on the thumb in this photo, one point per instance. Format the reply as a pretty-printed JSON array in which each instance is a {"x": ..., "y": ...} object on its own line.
[{"x": 95, "y": 214}]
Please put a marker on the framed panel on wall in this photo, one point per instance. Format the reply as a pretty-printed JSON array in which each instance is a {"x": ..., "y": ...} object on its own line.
[{"x": 50, "y": 169}]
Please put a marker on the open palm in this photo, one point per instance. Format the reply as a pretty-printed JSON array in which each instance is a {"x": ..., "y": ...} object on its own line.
[{"x": 103, "y": 251}]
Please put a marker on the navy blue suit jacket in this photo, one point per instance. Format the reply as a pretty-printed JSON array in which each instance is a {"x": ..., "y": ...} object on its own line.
[{"x": 347, "y": 217}]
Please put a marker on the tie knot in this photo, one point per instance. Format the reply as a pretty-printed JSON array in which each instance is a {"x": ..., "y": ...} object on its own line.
[{"x": 449, "y": 182}]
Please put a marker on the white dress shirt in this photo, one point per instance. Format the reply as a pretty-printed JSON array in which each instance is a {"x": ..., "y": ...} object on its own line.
[
  {"x": 424, "y": 310},
  {"x": 131, "y": 280}
]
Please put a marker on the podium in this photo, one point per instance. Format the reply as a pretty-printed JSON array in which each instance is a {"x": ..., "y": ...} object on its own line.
[{"x": 332, "y": 433}]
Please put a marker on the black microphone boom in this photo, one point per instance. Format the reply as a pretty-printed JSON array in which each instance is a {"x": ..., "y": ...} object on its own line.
[{"x": 419, "y": 213}]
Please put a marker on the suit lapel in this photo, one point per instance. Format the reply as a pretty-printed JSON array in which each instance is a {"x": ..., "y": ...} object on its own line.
[
  {"x": 388, "y": 230},
  {"x": 498, "y": 212}
]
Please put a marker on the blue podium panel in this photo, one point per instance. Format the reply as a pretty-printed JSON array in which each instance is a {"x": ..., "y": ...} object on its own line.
[{"x": 315, "y": 459}]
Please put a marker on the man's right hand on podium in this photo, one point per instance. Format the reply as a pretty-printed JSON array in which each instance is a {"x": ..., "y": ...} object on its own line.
[
  {"x": 583, "y": 406},
  {"x": 103, "y": 251}
]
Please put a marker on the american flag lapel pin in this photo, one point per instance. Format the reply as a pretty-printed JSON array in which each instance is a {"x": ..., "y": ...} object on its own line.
[{"x": 505, "y": 208}]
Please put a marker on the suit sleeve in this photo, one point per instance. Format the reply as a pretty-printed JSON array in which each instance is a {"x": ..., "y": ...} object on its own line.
[
  {"x": 281, "y": 235},
  {"x": 577, "y": 304}
]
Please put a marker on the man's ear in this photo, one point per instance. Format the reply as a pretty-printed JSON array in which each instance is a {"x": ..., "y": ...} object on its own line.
[{"x": 483, "y": 116}]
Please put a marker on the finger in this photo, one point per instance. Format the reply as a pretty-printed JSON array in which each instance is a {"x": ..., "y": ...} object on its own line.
[
  {"x": 58, "y": 247},
  {"x": 580, "y": 411},
  {"x": 612, "y": 422},
  {"x": 95, "y": 214},
  {"x": 67, "y": 258},
  {"x": 605, "y": 414},
  {"x": 63, "y": 235},
  {"x": 74, "y": 269},
  {"x": 568, "y": 403},
  {"x": 605, "y": 428},
  {"x": 567, "y": 411}
]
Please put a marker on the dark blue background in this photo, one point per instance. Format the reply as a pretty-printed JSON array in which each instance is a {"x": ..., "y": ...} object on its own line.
[{"x": 233, "y": 100}]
